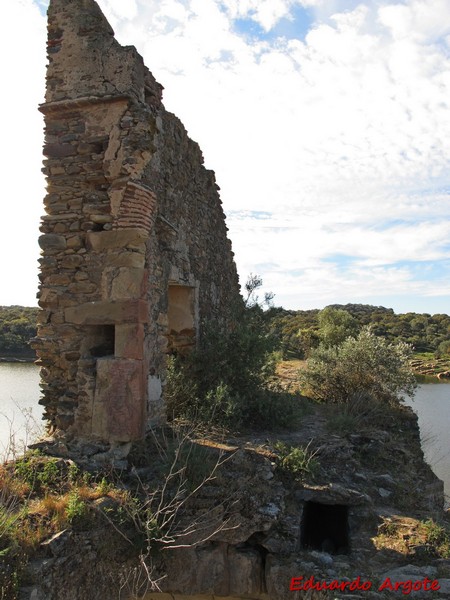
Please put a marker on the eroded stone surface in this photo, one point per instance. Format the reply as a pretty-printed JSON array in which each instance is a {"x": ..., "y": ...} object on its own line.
[{"x": 131, "y": 211}]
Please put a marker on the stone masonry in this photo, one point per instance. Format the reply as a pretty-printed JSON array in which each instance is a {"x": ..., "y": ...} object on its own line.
[{"x": 135, "y": 255}]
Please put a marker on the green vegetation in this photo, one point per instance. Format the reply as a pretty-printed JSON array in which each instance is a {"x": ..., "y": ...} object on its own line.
[
  {"x": 424, "y": 539},
  {"x": 301, "y": 331},
  {"x": 356, "y": 414},
  {"x": 229, "y": 380},
  {"x": 366, "y": 366},
  {"x": 335, "y": 326},
  {"x": 295, "y": 332},
  {"x": 42, "y": 495},
  {"x": 437, "y": 538},
  {"x": 17, "y": 328},
  {"x": 298, "y": 460},
  {"x": 137, "y": 516}
]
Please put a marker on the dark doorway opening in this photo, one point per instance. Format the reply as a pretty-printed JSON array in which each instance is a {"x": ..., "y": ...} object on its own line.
[
  {"x": 324, "y": 527},
  {"x": 101, "y": 340}
]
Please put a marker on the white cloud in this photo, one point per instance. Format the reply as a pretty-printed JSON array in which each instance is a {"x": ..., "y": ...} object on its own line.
[
  {"x": 266, "y": 13},
  {"x": 332, "y": 134},
  {"x": 23, "y": 75},
  {"x": 123, "y": 10},
  {"x": 420, "y": 20}
]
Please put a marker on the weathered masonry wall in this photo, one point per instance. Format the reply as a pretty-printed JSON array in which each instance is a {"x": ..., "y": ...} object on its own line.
[{"x": 135, "y": 255}]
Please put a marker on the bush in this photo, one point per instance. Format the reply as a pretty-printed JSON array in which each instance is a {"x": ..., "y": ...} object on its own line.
[
  {"x": 443, "y": 349},
  {"x": 361, "y": 411},
  {"x": 229, "y": 379},
  {"x": 76, "y": 508},
  {"x": 366, "y": 365},
  {"x": 297, "y": 460}
]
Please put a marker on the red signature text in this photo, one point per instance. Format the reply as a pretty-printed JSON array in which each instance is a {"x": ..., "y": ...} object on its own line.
[
  {"x": 301, "y": 584},
  {"x": 405, "y": 587}
]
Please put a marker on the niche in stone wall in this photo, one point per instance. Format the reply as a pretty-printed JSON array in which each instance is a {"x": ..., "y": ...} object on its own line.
[
  {"x": 181, "y": 318},
  {"x": 324, "y": 527},
  {"x": 98, "y": 341}
]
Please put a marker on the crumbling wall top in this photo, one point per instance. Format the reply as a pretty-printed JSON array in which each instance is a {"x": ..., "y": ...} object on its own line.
[{"x": 86, "y": 60}]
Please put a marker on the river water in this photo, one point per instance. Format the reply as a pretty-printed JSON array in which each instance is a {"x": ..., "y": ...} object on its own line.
[
  {"x": 432, "y": 405},
  {"x": 20, "y": 415}
]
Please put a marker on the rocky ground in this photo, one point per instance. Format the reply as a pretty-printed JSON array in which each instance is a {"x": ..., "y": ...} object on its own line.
[
  {"x": 208, "y": 514},
  {"x": 429, "y": 366}
]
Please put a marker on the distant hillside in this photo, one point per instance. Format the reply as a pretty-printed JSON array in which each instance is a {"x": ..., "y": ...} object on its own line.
[
  {"x": 17, "y": 328},
  {"x": 298, "y": 330}
]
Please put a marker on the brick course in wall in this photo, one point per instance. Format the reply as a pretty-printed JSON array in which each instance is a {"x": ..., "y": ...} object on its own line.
[{"x": 130, "y": 211}]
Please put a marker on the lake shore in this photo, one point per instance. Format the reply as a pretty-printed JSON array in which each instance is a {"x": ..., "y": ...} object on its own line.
[
  {"x": 427, "y": 367},
  {"x": 17, "y": 359}
]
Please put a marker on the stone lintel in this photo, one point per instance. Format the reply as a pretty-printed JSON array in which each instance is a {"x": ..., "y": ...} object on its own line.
[
  {"x": 131, "y": 238},
  {"x": 108, "y": 313},
  {"x": 75, "y": 103}
]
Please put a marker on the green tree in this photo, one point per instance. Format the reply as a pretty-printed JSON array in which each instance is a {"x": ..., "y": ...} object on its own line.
[
  {"x": 17, "y": 327},
  {"x": 366, "y": 365},
  {"x": 443, "y": 349},
  {"x": 335, "y": 325}
]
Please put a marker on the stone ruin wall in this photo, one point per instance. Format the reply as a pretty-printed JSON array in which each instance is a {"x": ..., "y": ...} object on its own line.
[{"x": 135, "y": 255}]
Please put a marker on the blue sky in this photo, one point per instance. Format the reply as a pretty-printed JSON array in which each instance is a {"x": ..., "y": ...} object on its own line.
[
  {"x": 295, "y": 25},
  {"x": 327, "y": 123}
]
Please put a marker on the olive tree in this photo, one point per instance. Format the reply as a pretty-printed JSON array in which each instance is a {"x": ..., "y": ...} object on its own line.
[{"x": 365, "y": 364}]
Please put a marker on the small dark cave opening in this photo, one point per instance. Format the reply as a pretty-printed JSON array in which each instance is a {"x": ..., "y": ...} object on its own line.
[{"x": 324, "y": 527}]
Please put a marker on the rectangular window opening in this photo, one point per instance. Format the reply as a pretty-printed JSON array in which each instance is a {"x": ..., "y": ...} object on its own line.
[
  {"x": 181, "y": 319},
  {"x": 324, "y": 527},
  {"x": 100, "y": 340}
]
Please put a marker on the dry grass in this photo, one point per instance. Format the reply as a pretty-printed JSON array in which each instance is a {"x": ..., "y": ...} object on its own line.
[
  {"x": 287, "y": 373},
  {"x": 411, "y": 537}
]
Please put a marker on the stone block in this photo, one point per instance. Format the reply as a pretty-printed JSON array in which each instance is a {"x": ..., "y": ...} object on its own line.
[
  {"x": 132, "y": 238},
  {"x": 278, "y": 574},
  {"x": 105, "y": 313},
  {"x": 58, "y": 279},
  {"x": 134, "y": 260},
  {"x": 59, "y": 150},
  {"x": 82, "y": 287},
  {"x": 48, "y": 298},
  {"x": 129, "y": 341},
  {"x": 73, "y": 261},
  {"x": 51, "y": 241},
  {"x": 119, "y": 400},
  {"x": 246, "y": 571},
  {"x": 123, "y": 283},
  {"x": 194, "y": 571}
]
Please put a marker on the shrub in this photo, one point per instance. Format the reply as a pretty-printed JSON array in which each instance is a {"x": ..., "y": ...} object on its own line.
[
  {"x": 229, "y": 379},
  {"x": 437, "y": 537},
  {"x": 361, "y": 411},
  {"x": 76, "y": 508},
  {"x": 297, "y": 460},
  {"x": 366, "y": 365},
  {"x": 443, "y": 349}
]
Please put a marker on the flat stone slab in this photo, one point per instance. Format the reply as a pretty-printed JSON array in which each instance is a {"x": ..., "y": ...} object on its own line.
[{"x": 108, "y": 313}]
